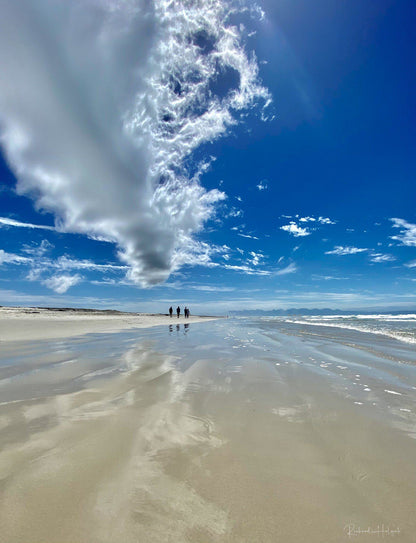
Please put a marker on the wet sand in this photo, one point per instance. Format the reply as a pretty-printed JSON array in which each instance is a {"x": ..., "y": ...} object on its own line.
[{"x": 217, "y": 432}]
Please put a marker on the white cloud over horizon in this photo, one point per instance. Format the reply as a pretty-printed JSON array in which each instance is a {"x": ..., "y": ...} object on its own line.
[{"x": 101, "y": 106}]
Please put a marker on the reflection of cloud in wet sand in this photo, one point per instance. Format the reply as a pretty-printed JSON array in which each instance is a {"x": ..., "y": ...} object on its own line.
[{"x": 105, "y": 464}]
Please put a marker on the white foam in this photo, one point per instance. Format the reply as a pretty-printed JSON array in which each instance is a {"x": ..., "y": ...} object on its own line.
[{"x": 393, "y": 392}]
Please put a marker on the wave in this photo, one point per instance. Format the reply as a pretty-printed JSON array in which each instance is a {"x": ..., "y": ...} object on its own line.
[{"x": 407, "y": 335}]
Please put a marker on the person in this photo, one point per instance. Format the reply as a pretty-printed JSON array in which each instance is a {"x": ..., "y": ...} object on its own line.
[
  {"x": 185, "y": 312},
  {"x": 170, "y": 311},
  {"x": 178, "y": 311}
]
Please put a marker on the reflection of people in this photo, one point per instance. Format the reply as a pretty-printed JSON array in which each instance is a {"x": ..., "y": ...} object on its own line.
[
  {"x": 186, "y": 326},
  {"x": 170, "y": 328},
  {"x": 170, "y": 311},
  {"x": 178, "y": 311}
]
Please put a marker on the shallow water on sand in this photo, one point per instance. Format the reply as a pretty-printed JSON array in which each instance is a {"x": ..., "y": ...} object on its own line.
[{"x": 236, "y": 430}]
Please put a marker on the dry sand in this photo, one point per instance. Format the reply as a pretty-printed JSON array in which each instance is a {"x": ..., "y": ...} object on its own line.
[{"x": 29, "y": 323}]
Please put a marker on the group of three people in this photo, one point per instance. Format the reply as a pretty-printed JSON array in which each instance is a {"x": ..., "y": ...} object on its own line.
[{"x": 186, "y": 312}]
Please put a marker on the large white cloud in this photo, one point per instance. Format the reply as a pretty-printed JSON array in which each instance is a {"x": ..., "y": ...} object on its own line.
[{"x": 102, "y": 104}]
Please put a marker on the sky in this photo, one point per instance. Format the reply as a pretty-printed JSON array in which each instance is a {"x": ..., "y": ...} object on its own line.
[{"x": 221, "y": 155}]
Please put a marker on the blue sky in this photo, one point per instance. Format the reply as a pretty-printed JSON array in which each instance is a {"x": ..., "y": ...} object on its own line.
[{"x": 265, "y": 160}]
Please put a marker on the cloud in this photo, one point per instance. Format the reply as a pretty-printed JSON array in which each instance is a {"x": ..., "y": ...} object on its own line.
[
  {"x": 248, "y": 270},
  {"x": 256, "y": 258},
  {"x": 41, "y": 266},
  {"x": 5, "y": 221},
  {"x": 10, "y": 258},
  {"x": 38, "y": 250},
  {"x": 66, "y": 263},
  {"x": 202, "y": 288},
  {"x": 342, "y": 251},
  {"x": 295, "y": 230},
  {"x": 325, "y": 220},
  {"x": 247, "y": 236},
  {"x": 299, "y": 231},
  {"x": 262, "y": 185},
  {"x": 102, "y": 105},
  {"x": 407, "y": 234},
  {"x": 234, "y": 212},
  {"x": 61, "y": 283},
  {"x": 291, "y": 268},
  {"x": 379, "y": 257}
]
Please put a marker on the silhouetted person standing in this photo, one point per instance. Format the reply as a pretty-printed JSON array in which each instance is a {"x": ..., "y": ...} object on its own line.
[
  {"x": 170, "y": 311},
  {"x": 178, "y": 311}
]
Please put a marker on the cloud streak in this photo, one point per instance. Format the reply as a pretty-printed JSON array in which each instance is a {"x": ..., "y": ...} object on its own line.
[
  {"x": 340, "y": 250},
  {"x": 102, "y": 105},
  {"x": 4, "y": 221}
]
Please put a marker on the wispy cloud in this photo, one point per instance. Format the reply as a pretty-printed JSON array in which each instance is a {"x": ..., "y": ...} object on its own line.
[
  {"x": 5, "y": 221},
  {"x": 342, "y": 251},
  {"x": 11, "y": 258},
  {"x": 291, "y": 268},
  {"x": 248, "y": 270},
  {"x": 201, "y": 288},
  {"x": 130, "y": 87},
  {"x": 38, "y": 250},
  {"x": 316, "y": 277},
  {"x": 407, "y": 234},
  {"x": 247, "y": 236},
  {"x": 51, "y": 272},
  {"x": 379, "y": 257}
]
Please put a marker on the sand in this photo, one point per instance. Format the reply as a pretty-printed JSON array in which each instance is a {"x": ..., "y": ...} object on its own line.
[
  {"x": 209, "y": 433},
  {"x": 26, "y": 324}
]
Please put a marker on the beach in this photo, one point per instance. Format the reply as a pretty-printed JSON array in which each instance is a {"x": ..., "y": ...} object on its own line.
[
  {"x": 33, "y": 323},
  {"x": 234, "y": 430}
]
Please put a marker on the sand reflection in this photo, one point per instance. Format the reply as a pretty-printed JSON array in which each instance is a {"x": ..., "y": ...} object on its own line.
[{"x": 100, "y": 463}]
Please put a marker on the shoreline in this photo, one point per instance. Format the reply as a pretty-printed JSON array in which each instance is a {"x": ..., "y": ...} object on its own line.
[{"x": 37, "y": 323}]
